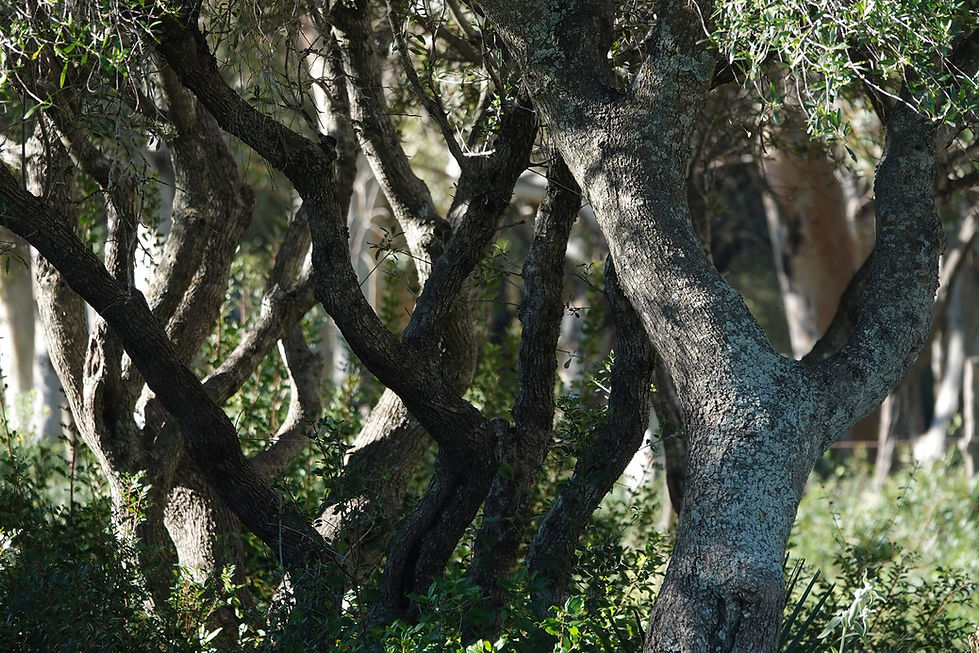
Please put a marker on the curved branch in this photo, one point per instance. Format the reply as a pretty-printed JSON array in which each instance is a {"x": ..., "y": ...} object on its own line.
[
  {"x": 484, "y": 193},
  {"x": 895, "y": 313},
  {"x": 433, "y": 104},
  {"x": 551, "y": 555},
  {"x": 305, "y": 404},
  {"x": 506, "y": 512},
  {"x": 409, "y": 197},
  {"x": 209, "y": 436}
]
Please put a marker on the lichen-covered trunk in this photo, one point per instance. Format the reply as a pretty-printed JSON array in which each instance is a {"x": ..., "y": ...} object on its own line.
[{"x": 724, "y": 588}]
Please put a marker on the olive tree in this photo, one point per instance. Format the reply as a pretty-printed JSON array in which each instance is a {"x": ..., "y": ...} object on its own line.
[{"x": 617, "y": 91}]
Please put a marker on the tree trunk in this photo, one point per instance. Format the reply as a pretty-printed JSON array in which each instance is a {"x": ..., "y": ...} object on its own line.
[
  {"x": 723, "y": 589},
  {"x": 208, "y": 540},
  {"x": 17, "y": 321},
  {"x": 756, "y": 422},
  {"x": 969, "y": 444}
]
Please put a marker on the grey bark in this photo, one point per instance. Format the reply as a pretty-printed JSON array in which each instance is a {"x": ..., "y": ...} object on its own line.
[
  {"x": 904, "y": 424},
  {"x": 746, "y": 408},
  {"x": 106, "y": 401},
  {"x": 466, "y": 439},
  {"x": 208, "y": 434},
  {"x": 507, "y": 509},
  {"x": 673, "y": 436}
]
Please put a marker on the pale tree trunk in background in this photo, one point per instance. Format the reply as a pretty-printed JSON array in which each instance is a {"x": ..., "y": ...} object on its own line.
[
  {"x": 812, "y": 228},
  {"x": 50, "y": 406},
  {"x": 954, "y": 310},
  {"x": 969, "y": 444},
  {"x": 931, "y": 445},
  {"x": 815, "y": 251},
  {"x": 892, "y": 424},
  {"x": 34, "y": 399},
  {"x": 16, "y": 329}
]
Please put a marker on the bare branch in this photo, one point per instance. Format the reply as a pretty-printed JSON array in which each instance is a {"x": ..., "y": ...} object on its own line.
[
  {"x": 209, "y": 436},
  {"x": 506, "y": 512},
  {"x": 551, "y": 554},
  {"x": 408, "y": 195},
  {"x": 209, "y": 191},
  {"x": 484, "y": 193},
  {"x": 305, "y": 404}
]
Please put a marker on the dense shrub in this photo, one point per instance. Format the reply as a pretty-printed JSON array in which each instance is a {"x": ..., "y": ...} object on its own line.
[{"x": 65, "y": 584}]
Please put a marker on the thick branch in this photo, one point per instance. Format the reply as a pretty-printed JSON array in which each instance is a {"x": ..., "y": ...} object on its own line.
[
  {"x": 305, "y": 404},
  {"x": 630, "y": 154},
  {"x": 551, "y": 555},
  {"x": 209, "y": 436},
  {"x": 895, "y": 313},
  {"x": 507, "y": 509},
  {"x": 484, "y": 193},
  {"x": 408, "y": 195},
  {"x": 61, "y": 311},
  {"x": 209, "y": 190}
]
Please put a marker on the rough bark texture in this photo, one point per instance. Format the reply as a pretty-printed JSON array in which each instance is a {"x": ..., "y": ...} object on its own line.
[
  {"x": 466, "y": 439},
  {"x": 507, "y": 509},
  {"x": 208, "y": 434},
  {"x": 755, "y": 422},
  {"x": 388, "y": 448},
  {"x": 673, "y": 435},
  {"x": 746, "y": 408}
]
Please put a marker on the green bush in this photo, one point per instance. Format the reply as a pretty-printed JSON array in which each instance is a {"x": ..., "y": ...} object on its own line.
[{"x": 65, "y": 584}]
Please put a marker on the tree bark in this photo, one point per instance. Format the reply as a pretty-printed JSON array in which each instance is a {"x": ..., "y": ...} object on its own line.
[
  {"x": 746, "y": 408},
  {"x": 507, "y": 508}
]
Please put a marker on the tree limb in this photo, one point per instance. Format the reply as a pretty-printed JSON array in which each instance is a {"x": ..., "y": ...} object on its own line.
[
  {"x": 209, "y": 436},
  {"x": 507, "y": 508},
  {"x": 551, "y": 555}
]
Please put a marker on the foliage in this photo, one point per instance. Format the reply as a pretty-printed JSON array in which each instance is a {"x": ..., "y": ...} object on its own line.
[
  {"x": 832, "y": 47},
  {"x": 64, "y": 584},
  {"x": 895, "y": 576},
  {"x": 67, "y": 580}
]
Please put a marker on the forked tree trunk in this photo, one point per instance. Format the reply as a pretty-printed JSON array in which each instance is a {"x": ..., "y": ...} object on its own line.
[
  {"x": 814, "y": 242},
  {"x": 756, "y": 422}
]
